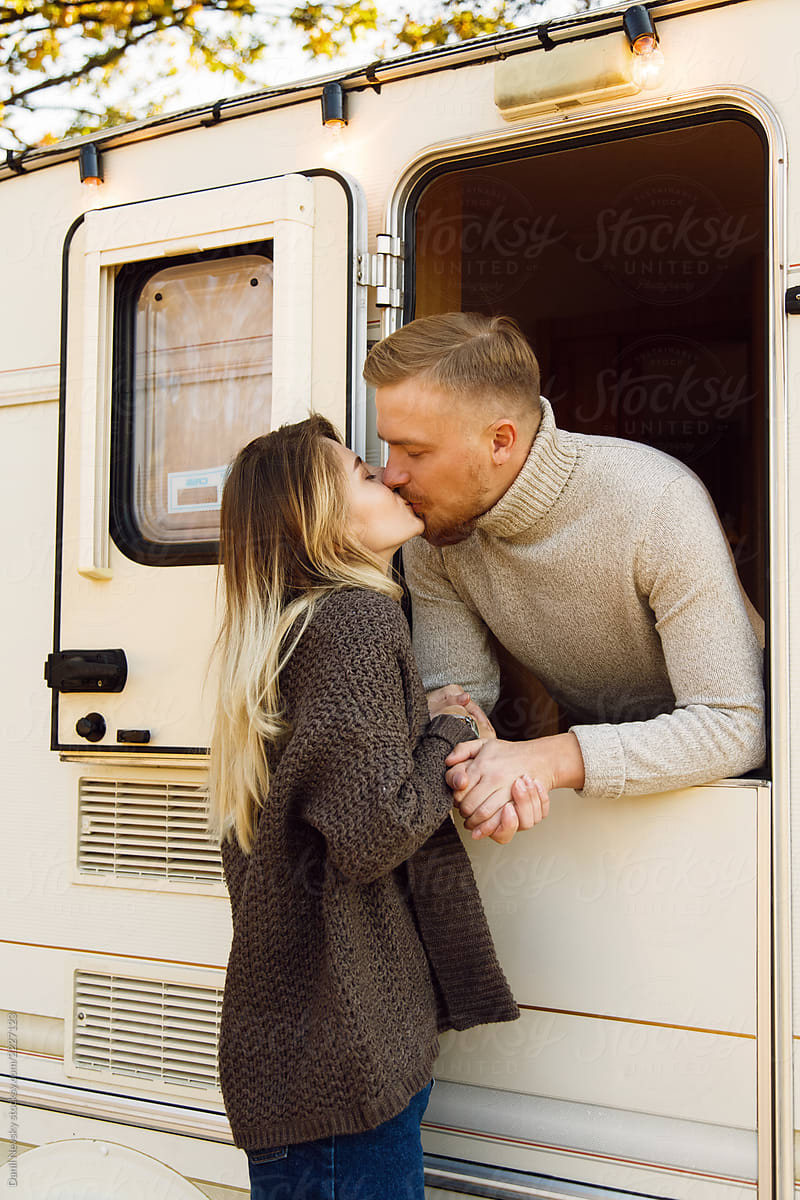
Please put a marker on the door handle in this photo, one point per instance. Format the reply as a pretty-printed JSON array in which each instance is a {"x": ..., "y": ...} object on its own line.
[{"x": 86, "y": 670}]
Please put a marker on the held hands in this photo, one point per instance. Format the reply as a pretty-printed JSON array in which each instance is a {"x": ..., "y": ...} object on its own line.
[
  {"x": 500, "y": 787},
  {"x": 454, "y": 700}
]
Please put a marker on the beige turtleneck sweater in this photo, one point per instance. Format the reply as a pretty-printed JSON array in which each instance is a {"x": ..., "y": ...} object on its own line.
[{"x": 604, "y": 570}]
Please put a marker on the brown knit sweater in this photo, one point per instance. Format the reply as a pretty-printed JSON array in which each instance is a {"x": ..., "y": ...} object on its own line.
[{"x": 358, "y": 932}]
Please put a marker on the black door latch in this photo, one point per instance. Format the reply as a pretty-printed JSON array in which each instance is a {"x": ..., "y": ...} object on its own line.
[
  {"x": 86, "y": 670},
  {"x": 136, "y": 737}
]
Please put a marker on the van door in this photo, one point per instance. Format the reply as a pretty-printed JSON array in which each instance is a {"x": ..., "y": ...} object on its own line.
[{"x": 191, "y": 324}]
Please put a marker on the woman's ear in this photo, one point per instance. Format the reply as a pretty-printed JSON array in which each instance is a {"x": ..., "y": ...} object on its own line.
[{"x": 504, "y": 438}]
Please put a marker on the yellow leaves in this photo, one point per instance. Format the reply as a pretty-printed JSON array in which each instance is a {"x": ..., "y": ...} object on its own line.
[
  {"x": 46, "y": 46},
  {"x": 307, "y": 17},
  {"x": 415, "y": 35},
  {"x": 330, "y": 26},
  {"x": 468, "y": 24},
  {"x": 456, "y": 25},
  {"x": 321, "y": 44}
]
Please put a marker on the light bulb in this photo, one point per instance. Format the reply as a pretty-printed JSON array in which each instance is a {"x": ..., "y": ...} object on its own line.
[
  {"x": 648, "y": 65},
  {"x": 337, "y": 143}
]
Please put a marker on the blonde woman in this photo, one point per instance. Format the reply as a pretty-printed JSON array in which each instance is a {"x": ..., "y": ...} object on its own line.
[{"x": 358, "y": 933}]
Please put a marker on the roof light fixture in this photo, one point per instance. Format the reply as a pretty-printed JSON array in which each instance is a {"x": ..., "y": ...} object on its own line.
[
  {"x": 91, "y": 165},
  {"x": 334, "y": 105},
  {"x": 648, "y": 60}
]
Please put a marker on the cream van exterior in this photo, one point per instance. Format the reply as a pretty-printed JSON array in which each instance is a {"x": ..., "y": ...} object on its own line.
[{"x": 229, "y": 273}]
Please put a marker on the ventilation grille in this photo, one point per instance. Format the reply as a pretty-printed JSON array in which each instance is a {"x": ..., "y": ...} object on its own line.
[
  {"x": 146, "y": 830},
  {"x": 147, "y": 1029}
]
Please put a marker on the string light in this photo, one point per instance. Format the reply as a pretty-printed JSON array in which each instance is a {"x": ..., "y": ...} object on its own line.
[
  {"x": 648, "y": 59},
  {"x": 334, "y": 106},
  {"x": 91, "y": 165}
]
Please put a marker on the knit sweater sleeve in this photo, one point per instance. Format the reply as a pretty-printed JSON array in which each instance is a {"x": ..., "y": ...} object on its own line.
[
  {"x": 372, "y": 790},
  {"x": 713, "y": 658},
  {"x": 451, "y": 640}
]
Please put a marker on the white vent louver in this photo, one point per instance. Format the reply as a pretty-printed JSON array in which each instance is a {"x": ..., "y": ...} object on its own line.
[
  {"x": 149, "y": 1029},
  {"x": 146, "y": 830}
]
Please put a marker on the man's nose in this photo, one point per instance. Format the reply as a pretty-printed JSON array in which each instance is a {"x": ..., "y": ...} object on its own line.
[{"x": 393, "y": 476}]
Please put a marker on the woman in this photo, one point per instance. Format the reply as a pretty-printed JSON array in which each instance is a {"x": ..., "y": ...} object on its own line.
[{"x": 358, "y": 933}]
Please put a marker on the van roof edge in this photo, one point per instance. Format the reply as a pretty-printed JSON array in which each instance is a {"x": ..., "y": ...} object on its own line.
[{"x": 376, "y": 73}]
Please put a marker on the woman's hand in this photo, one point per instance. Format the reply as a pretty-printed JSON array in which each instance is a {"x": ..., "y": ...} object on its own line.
[
  {"x": 529, "y": 805},
  {"x": 454, "y": 700},
  {"x": 452, "y": 693}
]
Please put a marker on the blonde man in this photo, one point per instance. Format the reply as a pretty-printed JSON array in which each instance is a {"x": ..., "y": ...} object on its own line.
[{"x": 599, "y": 564}]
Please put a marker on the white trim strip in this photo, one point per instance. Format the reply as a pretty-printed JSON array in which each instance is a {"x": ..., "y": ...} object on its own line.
[{"x": 29, "y": 385}]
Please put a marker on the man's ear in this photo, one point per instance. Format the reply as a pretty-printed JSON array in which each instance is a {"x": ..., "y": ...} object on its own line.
[{"x": 504, "y": 437}]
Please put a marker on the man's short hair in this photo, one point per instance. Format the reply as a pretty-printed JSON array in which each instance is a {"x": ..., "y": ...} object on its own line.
[{"x": 466, "y": 353}]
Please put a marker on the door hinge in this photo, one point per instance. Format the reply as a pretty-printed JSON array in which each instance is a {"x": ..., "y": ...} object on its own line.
[{"x": 383, "y": 270}]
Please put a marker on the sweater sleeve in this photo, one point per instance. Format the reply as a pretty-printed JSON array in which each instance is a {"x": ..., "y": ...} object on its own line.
[
  {"x": 713, "y": 658},
  {"x": 451, "y": 640},
  {"x": 374, "y": 793}
]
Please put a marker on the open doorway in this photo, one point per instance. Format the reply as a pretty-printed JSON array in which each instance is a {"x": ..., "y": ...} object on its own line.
[{"x": 635, "y": 265}]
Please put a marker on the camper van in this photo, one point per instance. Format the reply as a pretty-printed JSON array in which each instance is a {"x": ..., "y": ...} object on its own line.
[{"x": 174, "y": 287}]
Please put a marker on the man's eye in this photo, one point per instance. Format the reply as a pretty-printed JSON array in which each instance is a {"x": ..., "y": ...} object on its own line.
[{"x": 413, "y": 453}]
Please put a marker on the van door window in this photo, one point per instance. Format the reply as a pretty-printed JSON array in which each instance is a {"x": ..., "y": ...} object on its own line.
[{"x": 195, "y": 385}]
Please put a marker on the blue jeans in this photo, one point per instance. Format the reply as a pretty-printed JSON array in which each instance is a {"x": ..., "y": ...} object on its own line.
[{"x": 381, "y": 1163}]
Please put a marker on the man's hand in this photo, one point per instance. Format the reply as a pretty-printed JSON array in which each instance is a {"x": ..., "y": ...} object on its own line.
[
  {"x": 486, "y": 776},
  {"x": 445, "y": 699}
]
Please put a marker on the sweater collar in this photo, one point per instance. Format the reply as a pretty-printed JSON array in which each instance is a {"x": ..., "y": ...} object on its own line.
[{"x": 539, "y": 483}]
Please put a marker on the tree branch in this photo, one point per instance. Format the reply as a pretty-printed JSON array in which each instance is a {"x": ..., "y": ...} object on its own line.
[{"x": 99, "y": 60}]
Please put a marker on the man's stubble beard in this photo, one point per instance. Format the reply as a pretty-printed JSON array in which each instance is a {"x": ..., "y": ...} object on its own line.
[
  {"x": 448, "y": 535},
  {"x": 451, "y": 532}
]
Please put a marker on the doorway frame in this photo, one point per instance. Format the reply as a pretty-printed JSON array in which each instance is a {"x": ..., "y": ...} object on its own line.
[{"x": 774, "y": 1000}]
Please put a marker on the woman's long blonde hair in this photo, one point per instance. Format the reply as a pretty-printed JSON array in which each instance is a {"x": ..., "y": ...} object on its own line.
[{"x": 284, "y": 544}]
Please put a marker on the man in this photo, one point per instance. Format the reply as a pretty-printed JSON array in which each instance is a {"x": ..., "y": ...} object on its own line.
[{"x": 599, "y": 564}]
